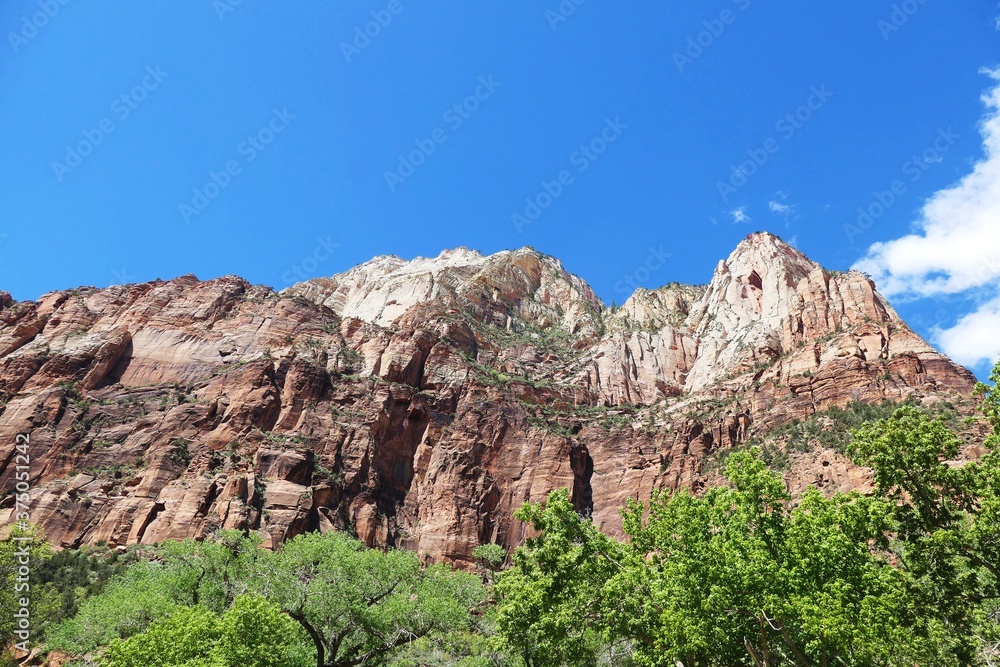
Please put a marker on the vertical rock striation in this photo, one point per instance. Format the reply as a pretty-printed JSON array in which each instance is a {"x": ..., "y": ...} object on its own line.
[{"x": 419, "y": 403}]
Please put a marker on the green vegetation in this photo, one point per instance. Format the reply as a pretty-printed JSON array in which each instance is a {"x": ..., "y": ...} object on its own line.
[
  {"x": 833, "y": 428},
  {"x": 746, "y": 575},
  {"x": 550, "y": 426},
  {"x": 739, "y": 576},
  {"x": 227, "y": 367},
  {"x": 490, "y": 556},
  {"x": 554, "y": 340},
  {"x": 547, "y": 418},
  {"x": 322, "y": 600},
  {"x": 334, "y": 478},
  {"x": 181, "y": 454},
  {"x": 60, "y": 580},
  {"x": 252, "y": 632},
  {"x": 114, "y": 471},
  {"x": 285, "y": 440},
  {"x": 492, "y": 377},
  {"x": 743, "y": 575}
]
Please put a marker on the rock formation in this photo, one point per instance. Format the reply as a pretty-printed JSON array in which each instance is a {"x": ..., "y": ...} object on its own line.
[{"x": 419, "y": 403}]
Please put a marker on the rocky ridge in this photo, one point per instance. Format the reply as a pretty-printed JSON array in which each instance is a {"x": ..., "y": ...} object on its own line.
[{"x": 418, "y": 403}]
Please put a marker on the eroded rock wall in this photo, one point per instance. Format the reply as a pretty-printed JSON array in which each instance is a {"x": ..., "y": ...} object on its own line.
[{"x": 420, "y": 403}]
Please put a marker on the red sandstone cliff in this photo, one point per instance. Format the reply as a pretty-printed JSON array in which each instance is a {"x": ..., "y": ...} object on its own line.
[{"x": 419, "y": 403}]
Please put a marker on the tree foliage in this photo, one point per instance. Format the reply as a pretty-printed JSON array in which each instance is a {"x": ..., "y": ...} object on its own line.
[
  {"x": 490, "y": 556},
  {"x": 251, "y": 633},
  {"x": 947, "y": 514},
  {"x": 551, "y": 611},
  {"x": 358, "y": 605},
  {"x": 21, "y": 556},
  {"x": 348, "y": 605},
  {"x": 741, "y": 575},
  {"x": 747, "y": 575}
]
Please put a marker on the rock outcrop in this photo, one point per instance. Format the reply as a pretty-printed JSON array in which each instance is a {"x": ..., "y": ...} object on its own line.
[{"x": 420, "y": 403}]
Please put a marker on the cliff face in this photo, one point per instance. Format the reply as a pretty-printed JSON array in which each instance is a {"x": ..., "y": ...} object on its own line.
[{"x": 420, "y": 403}]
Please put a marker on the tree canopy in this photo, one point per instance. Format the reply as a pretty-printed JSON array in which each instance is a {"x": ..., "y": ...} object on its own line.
[
  {"x": 747, "y": 575},
  {"x": 743, "y": 574},
  {"x": 227, "y": 601}
]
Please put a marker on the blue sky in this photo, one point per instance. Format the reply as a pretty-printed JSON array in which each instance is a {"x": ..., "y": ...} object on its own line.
[{"x": 280, "y": 142}]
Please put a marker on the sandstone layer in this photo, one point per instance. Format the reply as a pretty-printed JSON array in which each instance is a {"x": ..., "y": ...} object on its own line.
[{"x": 419, "y": 403}]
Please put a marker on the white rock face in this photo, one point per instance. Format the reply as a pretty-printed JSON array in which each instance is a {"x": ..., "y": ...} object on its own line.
[
  {"x": 654, "y": 309},
  {"x": 638, "y": 367},
  {"x": 524, "y": 283},
  {"x": 768, "y": 299},
  {"x": 769, "y": 310}
]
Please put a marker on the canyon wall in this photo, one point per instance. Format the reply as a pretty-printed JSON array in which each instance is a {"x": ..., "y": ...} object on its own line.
[{"x": 419, "y": 403}]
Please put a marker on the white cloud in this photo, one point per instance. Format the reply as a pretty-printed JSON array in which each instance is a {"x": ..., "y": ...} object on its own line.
[
  {"x": 783, "y": 209},
  {"x": 975, "y": 339},
  {"x": 955, "y": 248},
  {"x": 740, "y": 215},
  {"x": 786, "y": 211},
  {"x": 779, "y": 207}
]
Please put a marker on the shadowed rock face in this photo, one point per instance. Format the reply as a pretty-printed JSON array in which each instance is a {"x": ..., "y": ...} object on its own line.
[{"x": 420, "y": 403}]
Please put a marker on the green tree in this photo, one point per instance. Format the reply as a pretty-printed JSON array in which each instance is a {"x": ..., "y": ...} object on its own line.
[
  {"x": 948, "y": 517},
  {"x": 743, "y": 576},
  {"x": 174, "y": 575},
  {"x": 359, "y": 605},
  {"x": 551, "y": 608},
  {"x": 490, "y": 556},
  {"x": 78, "y": 574},
  {"x": 257, "y": 633},
  {"x": 252, "y": 633},
  {"x": 347, "y": 605},
  {"x": 991, "y": 404},
  {"x": 740, "y": 576},
  {"x": 453, "y": 649},
  {"x": 22, "y": 557},
  {"x": 186, "y": 637}
]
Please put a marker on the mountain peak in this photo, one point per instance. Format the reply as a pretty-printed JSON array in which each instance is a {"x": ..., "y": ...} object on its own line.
[
  {"x": 522, "y": 283},
  {"x": 417, "y": 402},
  {"x": 765, "y": 250},
  {"x": 766, "y": 300}
]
